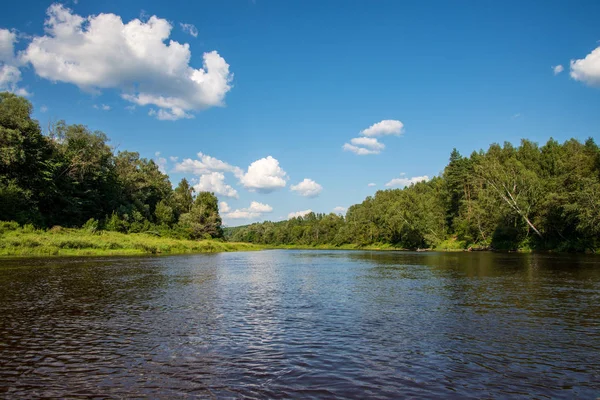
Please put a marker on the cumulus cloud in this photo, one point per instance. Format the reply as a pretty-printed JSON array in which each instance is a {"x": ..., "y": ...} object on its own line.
[
  {"x": 557, "y": 69},
  {"x": 364, "y": 146},
  {"x": 368, "y": 144},
  {"x": 361, "y": 151},
  {"x": 189, "y": 29},
  {"x": 340, "y": 210},
  {"x": 206, "y": 164},
  {"x": 264, "y": 175},
  {"x": 255, "y": 210},
  {"x": 307, "y": 188},
  {"x": 372, "y": 184},
  {"x": 385, "y": 127},
  {"x": 404, "y": 181},
  {"x": 10, "y": 75},
  {"x": 136, "y": 58},
  {"x": 215, "y": 182},
  {"x": 224, "y": 207},
  {"x": 298, "y": 214},
  {"x": 587, "y": 70}
]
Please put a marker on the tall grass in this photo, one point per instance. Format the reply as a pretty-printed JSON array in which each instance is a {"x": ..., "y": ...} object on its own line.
[{"x": 58, "y": 241}]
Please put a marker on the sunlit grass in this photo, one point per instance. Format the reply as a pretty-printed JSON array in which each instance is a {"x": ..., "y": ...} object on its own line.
[{"x": 27, "y": 241}]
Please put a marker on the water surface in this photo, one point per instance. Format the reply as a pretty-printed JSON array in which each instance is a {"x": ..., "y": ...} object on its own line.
[{"x": 322, "y": 324}]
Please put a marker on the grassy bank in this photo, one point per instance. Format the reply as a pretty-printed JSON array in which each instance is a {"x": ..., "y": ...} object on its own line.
[{"x": 26, "y": 241}]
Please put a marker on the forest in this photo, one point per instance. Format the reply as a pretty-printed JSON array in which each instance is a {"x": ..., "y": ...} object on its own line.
[
  {"x": 506, "y": 198},
  {"x": 71, "y": 177}
]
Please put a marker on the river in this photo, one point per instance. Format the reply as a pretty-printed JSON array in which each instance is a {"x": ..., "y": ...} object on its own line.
[{"x": 302, "y": 324}]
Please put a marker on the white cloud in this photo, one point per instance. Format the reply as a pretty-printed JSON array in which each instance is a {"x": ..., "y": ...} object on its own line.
[
  {"x": 385, "y": 127},
  {"x": 206, "y": 164},
  {"x": 224, "y": 207},
  {"x": 130, "y": 108},
  {"x": 10, "y": 75},
  {"x": 7, "y": 42},
  {"x": 255, "y": 206},
  {"x": 307, "y": 188},
  {"x": 102, "y": 52},
  {"x": 174, "y": 159},
  {"x": 161, "y": 162},
  {"x": 215, "y": 182},
  {"x": 372, "y": 184},
  {"x": 587, "y": 69},
  {"x": 189, "y": 29},
  {"x": 44, "y": 109},
  {"x": 340, "y": 210},
  {"x": 370, "y": 143},
  {"x": 102, "y": 107},
  {"x": 255, "y": 210},
  {"x": 264, "y": 175},
  {"x": 364, "y": 145},
  {"x": 361, "y": 151},
  {"x": 557, "y": 69},
  {"x": 298, "y": 214},
  {"x": 402, "y": 181}
]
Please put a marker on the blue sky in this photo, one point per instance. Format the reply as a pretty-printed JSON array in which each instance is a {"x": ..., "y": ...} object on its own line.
[{"x": 296, "y": 80}]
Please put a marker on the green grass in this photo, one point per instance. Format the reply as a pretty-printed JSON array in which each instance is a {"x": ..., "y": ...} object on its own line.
[{"x": 27, "y": 241}]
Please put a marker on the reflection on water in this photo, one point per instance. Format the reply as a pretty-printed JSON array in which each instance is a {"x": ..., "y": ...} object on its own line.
[{"x": 302, "y": 324}]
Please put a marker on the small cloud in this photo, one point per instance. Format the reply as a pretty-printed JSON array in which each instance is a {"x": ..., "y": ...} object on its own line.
[
  {"x": 189, "y": 29},
  {"x": 403, "y": 182},
  {"x": 385, "y": 127},
  {"x": 517, "y": 115},
  {"x": 340, "y": 210},
  {"x": 264, "y": 175},
  {"x": 174, "y": 159},
  {"x": 298, "y": 214},
  {"x": 102, "y": 107},
  {"x": 130, "y": 108},
  {"x": 372, "y": 184},
  {"x": 44, "y": 109},
  {"x": 361, "y": 151},
  {"x": 215, "y": 182},
  {"x": 307, "y": 188},
  {"x": 557, "y": 69},
  {"x": 224, "y": 207},
  {"x": 255, "y": 210}
]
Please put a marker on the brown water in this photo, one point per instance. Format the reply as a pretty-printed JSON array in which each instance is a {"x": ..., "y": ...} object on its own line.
[{"x": 302, "y": 324}]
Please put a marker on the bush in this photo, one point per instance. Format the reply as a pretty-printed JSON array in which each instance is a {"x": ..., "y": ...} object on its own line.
[
  {"x": 8, "y": 226},
  {"x": 91, "y": 225}
]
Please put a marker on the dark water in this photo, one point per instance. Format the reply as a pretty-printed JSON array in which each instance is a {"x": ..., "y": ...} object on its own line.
[{"x": 302, "y": 324}]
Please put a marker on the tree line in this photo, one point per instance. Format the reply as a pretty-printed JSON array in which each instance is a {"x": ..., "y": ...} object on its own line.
[
  {"x": 525, "y": 197},
  {"x": 71, "y": 177}
]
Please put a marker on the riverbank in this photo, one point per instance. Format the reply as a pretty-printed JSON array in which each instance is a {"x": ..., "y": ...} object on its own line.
[
  {"x": 379, "y": 247},
  {"x": 27, "y": 242}
]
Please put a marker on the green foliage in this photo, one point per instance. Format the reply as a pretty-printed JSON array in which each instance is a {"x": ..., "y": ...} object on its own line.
[
  {"x": 91, "y": 225},
  {"x": 525, "y": 197},
  {"x": 72, "y": 178},
  {"x": 507, "y": 198}
]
